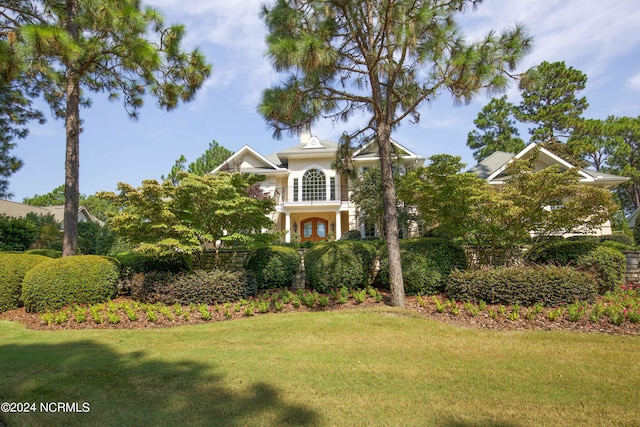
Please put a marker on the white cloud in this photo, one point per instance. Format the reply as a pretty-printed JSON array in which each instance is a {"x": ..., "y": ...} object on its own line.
[{"x": 634, "y": 82}]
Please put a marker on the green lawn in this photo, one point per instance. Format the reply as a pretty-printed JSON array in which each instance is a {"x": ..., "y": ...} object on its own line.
[{"x": 359, "y": 367}]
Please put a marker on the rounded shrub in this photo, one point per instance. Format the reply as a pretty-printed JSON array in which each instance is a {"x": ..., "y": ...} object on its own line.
[
  {"x": 352, "y": 235},
  {"x": 51, "y": 253},
  {"x": 564, "y": 252},
  {"x": 13, "y": 268},
  {"x": 332, "y": 265},
  {"x": 526, "y": 286},
  {"x": 273, "y": 266},
  {"x": 607, "y": 264},
  {"x": 426, "y": 264},
  {"x": 82, "y": 279},
  {"x": 618, "y": 238}
]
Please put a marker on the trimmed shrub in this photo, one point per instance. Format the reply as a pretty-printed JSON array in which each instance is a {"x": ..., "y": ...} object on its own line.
[
  {"x": 618, "y": 238},
  {"x": 16, "y": 234},
  {"x": 559, "y": 253},
  {"x": 199, "y": 287},
  {"x": 82, "y": 279},
  {"x": 607, "y": 264},
  {"x": 426, "y": 264},
  {"x": 332, "y": 265},
  {"x": 133, "y": 263},
  {"x": 13, "y": 268},
  {"x": 352, "y": 235},
  {"x": 51, "y": 253},
  {"x": 273, "y": 266},
  {"x": 526, "y": 286}
]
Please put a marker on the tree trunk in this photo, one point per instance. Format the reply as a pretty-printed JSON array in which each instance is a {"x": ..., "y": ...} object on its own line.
[
  {"x": 390, "y": 216},
  {"x": 72, "y": 152}
]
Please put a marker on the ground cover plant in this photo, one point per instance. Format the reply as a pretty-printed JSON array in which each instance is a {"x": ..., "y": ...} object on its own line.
[{"x": 371, "y": 366}]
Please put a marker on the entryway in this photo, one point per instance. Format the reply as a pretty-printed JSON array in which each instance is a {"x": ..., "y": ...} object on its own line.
[{"x": 314, "y": 229}]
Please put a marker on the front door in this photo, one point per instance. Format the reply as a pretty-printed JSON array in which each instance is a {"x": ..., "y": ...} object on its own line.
[{"x": 314, "y": 229}]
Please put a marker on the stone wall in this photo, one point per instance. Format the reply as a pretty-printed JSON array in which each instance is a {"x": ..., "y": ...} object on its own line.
[{"x": 633, "y": 271}]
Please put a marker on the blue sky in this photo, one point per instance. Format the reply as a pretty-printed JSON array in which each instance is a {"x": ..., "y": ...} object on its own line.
[{"x": 598, "y": 37}]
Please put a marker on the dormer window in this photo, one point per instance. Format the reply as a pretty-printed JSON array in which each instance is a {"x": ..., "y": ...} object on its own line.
[{"x": 314, "y": 185}]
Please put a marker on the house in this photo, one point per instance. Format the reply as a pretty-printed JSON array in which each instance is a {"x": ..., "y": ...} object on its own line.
[
  {"x": 312, "y": 198},
  {"x": 19, "y": 210},
  {"x": 493, "y": 170}
]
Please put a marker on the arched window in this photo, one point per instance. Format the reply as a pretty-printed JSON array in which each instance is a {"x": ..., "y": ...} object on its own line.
[{"x": 314, "y": 185}]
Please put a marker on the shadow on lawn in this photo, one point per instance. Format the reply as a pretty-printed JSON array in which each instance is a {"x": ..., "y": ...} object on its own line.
[{"x": 129, "y": 389}]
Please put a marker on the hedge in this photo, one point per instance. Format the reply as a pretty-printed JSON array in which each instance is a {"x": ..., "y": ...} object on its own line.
[
  {"x": 81, "y": 279},
  {"x": 13, "y": 268},
  {"x": 607, "y": 264},
  {"x": 273, "y": 266},
  {"x": 426, "y": 264},
  {"x": 199, "y": 287},
  {"x": 133, "y": 263},
  {"x": 526, "y": 286},
  {"x": 332, "y": 265}
]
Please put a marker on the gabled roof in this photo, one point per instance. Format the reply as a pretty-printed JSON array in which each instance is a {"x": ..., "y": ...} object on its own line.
[
  {"x": 251, "y": 162},
  {"x": 370, "y": 152},
  {"x": 20, "y": 210},
  {"x": 493, "y": 167}
]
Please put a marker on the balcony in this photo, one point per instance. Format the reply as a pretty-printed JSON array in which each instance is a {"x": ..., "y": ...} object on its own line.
[{"x": 298, "y": 196}]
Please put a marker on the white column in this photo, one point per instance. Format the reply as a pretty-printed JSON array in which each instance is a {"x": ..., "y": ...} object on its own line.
[
  {"x": 338, "y": 225},
  {"x": 287, "y": 227}
]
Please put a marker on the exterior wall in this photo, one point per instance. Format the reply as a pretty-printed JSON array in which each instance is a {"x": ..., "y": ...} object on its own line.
[{"x": 633, "y": 267}]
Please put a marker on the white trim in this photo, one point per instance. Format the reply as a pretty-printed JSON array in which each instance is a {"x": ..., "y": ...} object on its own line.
[{"x": 240, "y": 152}]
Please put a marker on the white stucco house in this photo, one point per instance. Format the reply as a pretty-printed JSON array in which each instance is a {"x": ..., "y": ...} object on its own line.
[
  {"x": 312, "y": 198},
  {"x": 493, "y": 170}
]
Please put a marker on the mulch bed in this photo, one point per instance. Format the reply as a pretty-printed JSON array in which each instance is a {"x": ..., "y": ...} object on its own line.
[{"x": 463, "y": 319}]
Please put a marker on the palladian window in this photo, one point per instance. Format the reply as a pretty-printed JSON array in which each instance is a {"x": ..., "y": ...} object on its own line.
[{"x": 314, "y": 185}]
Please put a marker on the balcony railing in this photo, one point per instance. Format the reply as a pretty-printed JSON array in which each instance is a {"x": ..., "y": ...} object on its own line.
[{"x": 310, "y": 196}]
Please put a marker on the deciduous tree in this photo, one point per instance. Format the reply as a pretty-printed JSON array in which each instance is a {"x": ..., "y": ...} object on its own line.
[
  {"x": 383, "y": 58},
  {"x": 198, "y": 211}
]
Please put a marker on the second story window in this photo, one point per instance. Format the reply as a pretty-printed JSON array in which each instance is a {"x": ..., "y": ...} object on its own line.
[{"x": 314, "y": 185}]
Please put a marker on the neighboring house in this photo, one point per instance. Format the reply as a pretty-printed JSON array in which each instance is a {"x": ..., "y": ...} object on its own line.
[
  {"x": 493, "y": 170},
  {"x": 19, "y": 210},
  {"x": 312, "y": 198}
]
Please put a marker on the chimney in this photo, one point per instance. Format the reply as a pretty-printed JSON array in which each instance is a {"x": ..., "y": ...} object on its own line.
[{"x": 305, "y": 134}]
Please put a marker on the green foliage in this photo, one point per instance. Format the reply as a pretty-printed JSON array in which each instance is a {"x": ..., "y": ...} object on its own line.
[
  {"x": 426, "y": 264},
  {"x": 213, "y": 157},
  {"x": 13, "y": 268},
  {"x": 606, "y": 264},
  {"x": 549, "y": 100},
  {"x": 442, "y": 194},
  {"x": 559, "y": 252},
  {"x": 352, "y": 235},
  {"x": 200, "y": 210},
  {"x": 273, "y": 266},
  {"x": 499, "y": 133},
  {"x": 51, "y": 253},
  {"x": 82, "y": 279},
  {"x": 134, "y": 263},
  {"x": 549, "y": 285},
  {"x": 95, "y": 239},
  {"x": 54, "y": 198},
  {"x": 199, "y": 287},
  {"x": 332, "y": 265},
  {"x": 16, "y": 234}
]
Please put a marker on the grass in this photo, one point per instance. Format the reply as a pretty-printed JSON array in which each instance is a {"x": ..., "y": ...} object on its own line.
[{"x": 369, "y": 367}]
